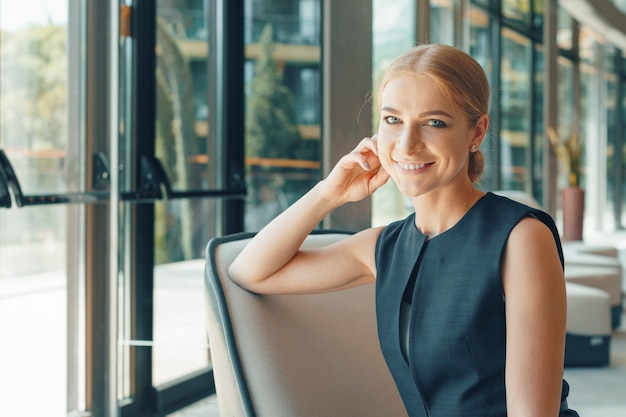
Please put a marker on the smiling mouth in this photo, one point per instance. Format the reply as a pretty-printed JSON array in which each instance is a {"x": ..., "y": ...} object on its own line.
[{"x": 413, "y": 167}]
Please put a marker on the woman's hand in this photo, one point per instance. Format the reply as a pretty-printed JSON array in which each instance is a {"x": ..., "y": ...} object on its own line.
[{"x": 356, "y": 175}]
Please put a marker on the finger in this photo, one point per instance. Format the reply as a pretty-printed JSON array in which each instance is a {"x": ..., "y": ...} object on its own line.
[
  {"x": 379, "y": 179},
  {"x": 369, "y": 160},
  {"x": 353, "y": 159},
  {"x": 368, "y": 144}
]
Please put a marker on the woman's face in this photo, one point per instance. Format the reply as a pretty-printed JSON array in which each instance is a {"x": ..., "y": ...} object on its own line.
[{"x": 424, "y": 140}]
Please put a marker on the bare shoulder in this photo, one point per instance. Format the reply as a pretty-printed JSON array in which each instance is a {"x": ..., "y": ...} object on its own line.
[
  {"x": 531, "y": 236},
  {"x": 531, "y": 253}
]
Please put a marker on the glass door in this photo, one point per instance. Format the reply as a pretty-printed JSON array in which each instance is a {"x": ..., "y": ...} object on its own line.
[
  {"x": 182, "y": 226},
  {"x": 43, "y": 160},
  {"x": 181, "y": 89}
]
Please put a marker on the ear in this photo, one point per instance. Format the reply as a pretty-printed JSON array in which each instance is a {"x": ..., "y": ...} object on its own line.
[{"x": 479, "y": 130}]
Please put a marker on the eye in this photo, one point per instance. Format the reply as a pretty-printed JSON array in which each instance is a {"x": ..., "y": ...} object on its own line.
[
  {"x": 392, "y": 120},
  {"x": 436, "y": 123}
]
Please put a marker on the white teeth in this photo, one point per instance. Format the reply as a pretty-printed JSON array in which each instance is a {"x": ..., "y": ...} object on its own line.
[{"x": 411, "y": 166}]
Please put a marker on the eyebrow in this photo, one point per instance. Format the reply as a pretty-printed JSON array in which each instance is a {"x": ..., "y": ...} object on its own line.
[{"x": 424, "y": 114}]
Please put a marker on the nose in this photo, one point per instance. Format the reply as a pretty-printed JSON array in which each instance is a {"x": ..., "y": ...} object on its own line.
[{"x": 409, "y": 139}]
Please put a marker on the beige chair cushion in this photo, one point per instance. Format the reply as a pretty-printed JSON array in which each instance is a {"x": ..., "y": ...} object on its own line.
[
  {"x": 605, "y": 278},
  {"x": 588, "y": 311},
  {"x": 295, "y": 355}
]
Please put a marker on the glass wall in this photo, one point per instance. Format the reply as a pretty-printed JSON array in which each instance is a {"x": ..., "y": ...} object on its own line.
[
  {"x": 442, "y": 22},
  {"x": 38, "y": 291},
  {"x": 612, "y": 91},
  {"x": 515, "y": 111},
  {"x": 517, "y": 10},
  {"x": 188, "y": 154},
  {"x": 480, "y": 49},
  {"x": 283, "y": 105},
  {"x": 538, "y": 135},
  {"x": 566, "y": 112}
]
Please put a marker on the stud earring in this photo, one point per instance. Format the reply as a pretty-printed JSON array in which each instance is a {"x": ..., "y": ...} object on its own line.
[{"x": 474, "y": 148}]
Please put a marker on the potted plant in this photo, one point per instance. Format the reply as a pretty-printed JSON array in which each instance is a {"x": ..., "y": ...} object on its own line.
[{"x": 569, "y": 151}]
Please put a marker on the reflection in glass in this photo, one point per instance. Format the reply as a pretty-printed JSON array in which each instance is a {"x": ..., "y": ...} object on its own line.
[
  {"x": 610, "y": 222},
  {"x": 180, "y": 342},
  {"x": 539, "y": 138},
  {"x": 588, "y": 116},
  {"x": 610, "y": 81},
  {"x": 589, "y": 42},
  {"x": 479, "y": 49},
  {"x": 515, "y": 111},
  {"x": 564, "y": 29},
  {"x": 565, "y": 91},
  {"x": 283, "y": 105},
  {"x": 182, "y": 226},
  {"x": 183, "y": 144},
  {"x": 33, "y": 271},
  {"x": 442, "y": 28},
  {"x": 518, "y": 10}
]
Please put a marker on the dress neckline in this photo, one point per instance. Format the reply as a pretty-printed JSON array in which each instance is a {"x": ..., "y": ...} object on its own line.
[{"x": 455, "y": 225}]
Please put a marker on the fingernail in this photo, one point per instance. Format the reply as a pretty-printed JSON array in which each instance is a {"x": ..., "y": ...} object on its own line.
[{"x": 366, "y": 165}]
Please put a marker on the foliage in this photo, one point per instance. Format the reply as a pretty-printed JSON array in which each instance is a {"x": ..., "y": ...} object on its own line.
[
  {"x": 175, "y": 141},
  {"x": 34, "y": 85},
  {"x": 569, "y": 151},
  {"x": 271, "y": 119}
]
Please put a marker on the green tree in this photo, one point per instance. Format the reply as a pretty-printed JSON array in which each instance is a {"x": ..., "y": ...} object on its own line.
[
  {"x": 271, "y": 123},
  {"x": 34, "y": 70}
]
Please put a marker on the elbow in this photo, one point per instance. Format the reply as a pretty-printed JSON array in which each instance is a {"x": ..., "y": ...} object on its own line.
[
  {"x": 237, "y": 275},
  {"x": 243, "y": 278}
]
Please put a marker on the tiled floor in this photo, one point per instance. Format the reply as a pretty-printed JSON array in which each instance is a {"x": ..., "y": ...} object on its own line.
[{"x": 594, "y": 392}]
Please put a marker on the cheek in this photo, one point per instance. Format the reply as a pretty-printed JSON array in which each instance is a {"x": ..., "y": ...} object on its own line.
[
  {"x": 385, "y": 137},
  {"x": 384, "y": 153},
  {"x": 383, "y": 144}
]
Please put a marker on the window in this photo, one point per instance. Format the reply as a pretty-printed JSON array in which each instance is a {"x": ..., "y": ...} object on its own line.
[
  {"x": 283, "y": 105},
  {"x": 41, "y": 282},
  {"x": 515, "y": 111}
]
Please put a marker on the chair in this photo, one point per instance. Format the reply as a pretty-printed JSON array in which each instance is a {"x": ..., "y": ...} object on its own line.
[
  {"x": 588, "y": 334},
  {"x": 598, "y": 267},
  {"x": 294, "y": 355}
]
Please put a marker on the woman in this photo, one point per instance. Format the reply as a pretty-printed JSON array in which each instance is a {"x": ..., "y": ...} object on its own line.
[{"x": 470, "y": 293}]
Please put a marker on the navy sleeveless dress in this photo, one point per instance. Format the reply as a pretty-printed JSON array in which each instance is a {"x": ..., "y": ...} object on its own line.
[{"x": 452, "y": 361}]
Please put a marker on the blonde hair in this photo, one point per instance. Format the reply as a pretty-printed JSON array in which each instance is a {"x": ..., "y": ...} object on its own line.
[{"x": 459, "y": 76}]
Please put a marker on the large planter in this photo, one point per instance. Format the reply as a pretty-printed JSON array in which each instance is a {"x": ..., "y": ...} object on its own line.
[{"x": 573, "y": 200}]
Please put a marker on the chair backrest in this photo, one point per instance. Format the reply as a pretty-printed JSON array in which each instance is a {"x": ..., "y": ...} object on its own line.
[{"x": 294, "y": 355}]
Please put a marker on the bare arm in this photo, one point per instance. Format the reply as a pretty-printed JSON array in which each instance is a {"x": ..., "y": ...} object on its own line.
[
  {"x": 273, "y": 262},
  {"x": 535, "y": 316}
]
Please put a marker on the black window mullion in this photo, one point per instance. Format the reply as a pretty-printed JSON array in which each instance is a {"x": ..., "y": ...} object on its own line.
[
  {"x": 226, "y": 98},
  {"x": 141, "y": 250}
]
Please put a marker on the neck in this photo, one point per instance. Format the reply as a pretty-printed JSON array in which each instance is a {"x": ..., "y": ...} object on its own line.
[{"x": 438, "y": 211}]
